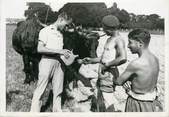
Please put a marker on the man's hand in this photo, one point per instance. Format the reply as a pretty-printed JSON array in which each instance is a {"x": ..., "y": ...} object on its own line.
[
  {"x": 127, "y": 86},
  {"x": 101, "y": 72},
  {"x": 106, "y": 65},
  {"x": 87, "y": 60},
  {"x": 103, "y": 69},
  {"x": 66, "y": 53}
]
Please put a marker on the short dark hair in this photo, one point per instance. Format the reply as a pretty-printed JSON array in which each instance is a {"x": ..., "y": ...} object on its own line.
[
  {"x": 65, "y": 16},
  {"x": 140, "y": 35}
]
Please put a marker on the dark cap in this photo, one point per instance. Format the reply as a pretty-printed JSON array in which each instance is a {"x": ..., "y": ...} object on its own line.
[{"x": 110, "y": 21}]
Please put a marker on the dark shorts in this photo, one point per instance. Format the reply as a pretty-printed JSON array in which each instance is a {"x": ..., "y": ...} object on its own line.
[{"x": 134, "y": 105}]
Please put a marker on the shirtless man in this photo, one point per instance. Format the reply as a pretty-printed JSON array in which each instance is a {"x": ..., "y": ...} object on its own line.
[
  {"x": 114, "y": 54},
  {"x": 142, "y": 74}
]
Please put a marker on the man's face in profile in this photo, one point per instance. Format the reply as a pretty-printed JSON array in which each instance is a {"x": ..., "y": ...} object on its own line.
[
  {"x": 108, "y": 30},
  {"x": 133, "y": 45},
  {"x": 63, "y": 24}
]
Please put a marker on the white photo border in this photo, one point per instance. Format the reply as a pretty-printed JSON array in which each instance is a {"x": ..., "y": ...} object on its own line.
[{"x": 28, "y": 114}]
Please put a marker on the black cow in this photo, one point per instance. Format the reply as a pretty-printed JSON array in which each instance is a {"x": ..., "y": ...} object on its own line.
[{"x": 24, "y": 41}]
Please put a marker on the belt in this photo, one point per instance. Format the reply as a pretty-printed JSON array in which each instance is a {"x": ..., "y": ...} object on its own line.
[{"x": 52, "y": 56}]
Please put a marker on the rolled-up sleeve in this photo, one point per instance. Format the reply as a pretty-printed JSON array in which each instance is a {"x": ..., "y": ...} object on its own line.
[{"x": 43, "y": 36}]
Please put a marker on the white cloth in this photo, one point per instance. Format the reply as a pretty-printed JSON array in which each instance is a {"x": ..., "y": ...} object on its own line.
[
  {"x": 109, "y": 99},
  {"x": 89, "y": 70},
  {"x": 150, "y": 96},
  {"x": 51, "y": 37}
]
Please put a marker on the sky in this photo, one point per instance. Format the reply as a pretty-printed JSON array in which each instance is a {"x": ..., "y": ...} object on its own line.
[{"x": 15, "y": 8}]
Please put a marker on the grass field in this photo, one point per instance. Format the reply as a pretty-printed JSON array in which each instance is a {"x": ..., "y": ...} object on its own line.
[{"x": 19, "y": 95}]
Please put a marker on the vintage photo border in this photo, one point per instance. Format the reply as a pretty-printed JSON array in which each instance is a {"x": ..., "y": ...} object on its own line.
[{"x": 74, "y": 114}]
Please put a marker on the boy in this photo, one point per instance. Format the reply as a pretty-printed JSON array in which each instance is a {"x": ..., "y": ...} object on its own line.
[{"x": 142, "y": 74}]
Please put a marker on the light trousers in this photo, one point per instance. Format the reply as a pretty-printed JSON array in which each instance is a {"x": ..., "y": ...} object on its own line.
[{"x": 48, "y": 68}]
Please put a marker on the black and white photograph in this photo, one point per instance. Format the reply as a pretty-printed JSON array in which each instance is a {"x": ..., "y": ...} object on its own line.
[{"x": 104, "y": 56}]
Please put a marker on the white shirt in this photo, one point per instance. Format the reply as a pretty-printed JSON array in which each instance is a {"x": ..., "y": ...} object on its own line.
[{"x": 51, "y": 37}]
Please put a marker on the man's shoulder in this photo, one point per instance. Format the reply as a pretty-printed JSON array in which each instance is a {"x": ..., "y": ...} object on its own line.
[
  {"x": 119, "y": 40},
  {"x": 135, "y": 64},
  {"x": 154, "y": 56},
  {"x": 140, "y": 63},
  {"x": 45, "y": 29}
]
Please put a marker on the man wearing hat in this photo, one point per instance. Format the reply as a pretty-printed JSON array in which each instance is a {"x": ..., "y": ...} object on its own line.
[{"x": 114, "y": 54}]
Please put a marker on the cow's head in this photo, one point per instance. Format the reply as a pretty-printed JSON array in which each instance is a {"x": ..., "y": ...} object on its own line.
[
  {"x": 91, "y": 43},
  {"x": 83, "y": 44}
]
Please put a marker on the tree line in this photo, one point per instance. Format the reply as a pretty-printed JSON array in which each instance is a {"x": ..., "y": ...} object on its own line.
[
  {"x": 90, "y": 15},
  {"x": 130, "y": 20}
]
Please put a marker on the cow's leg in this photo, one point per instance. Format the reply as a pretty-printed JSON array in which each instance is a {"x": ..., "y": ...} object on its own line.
[
  {"x": 35, "y": 66},
  {"x": 27, "y": 68}
]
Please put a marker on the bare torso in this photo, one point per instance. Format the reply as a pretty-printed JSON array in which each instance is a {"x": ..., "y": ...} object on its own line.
[
  {"x": 145, "y": 77},
  {"x": 110, "y": 52}
]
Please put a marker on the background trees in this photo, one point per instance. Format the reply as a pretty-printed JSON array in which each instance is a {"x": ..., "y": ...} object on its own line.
[
  {"x": 44, "y": 12},
  {"x": 85, "y": 14},
  {"x": 91, "y": 14}
]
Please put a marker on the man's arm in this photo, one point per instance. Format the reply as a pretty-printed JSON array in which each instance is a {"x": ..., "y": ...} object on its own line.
[
  {"x": 130, "y": 70},
  {"x": 88, "y": 60},
  {"x": 42, "y": 49},
  {"x": 121, "y": 54},
  {"x": 42, "y": 45},
  {"x": 95, "y": 60}
]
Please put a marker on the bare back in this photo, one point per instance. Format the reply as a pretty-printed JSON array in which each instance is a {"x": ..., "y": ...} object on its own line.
[{"x": 145, "y": 77}]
